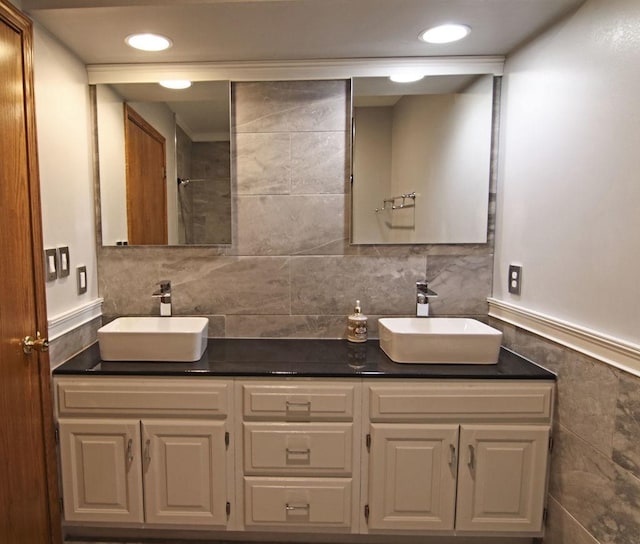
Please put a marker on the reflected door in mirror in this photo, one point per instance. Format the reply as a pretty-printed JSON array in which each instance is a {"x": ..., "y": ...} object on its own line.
[{"x": 146, "y": 181}]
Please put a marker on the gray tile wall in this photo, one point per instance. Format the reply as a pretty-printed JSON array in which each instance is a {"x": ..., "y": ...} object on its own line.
[
  {"x": 290, "y": 271},
  {"x": 594, "y": 492},
  {"x": 66, "y": 346},
  {"x": 204, "y": 206}
]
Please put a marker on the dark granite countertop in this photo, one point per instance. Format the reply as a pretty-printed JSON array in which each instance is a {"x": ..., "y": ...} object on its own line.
[{"x": 300, "y": 358}]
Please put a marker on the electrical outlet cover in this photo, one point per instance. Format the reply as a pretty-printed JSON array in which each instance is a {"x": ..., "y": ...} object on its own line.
[{"x": 515, "y": 279}]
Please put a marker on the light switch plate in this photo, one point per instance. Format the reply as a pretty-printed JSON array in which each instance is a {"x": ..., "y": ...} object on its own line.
[
  {"x": 81, "y": 274},
  {"x": 64, "y": 265},
  {"x": 515, "y": 279},
  {"x": 51, "y": 264}
]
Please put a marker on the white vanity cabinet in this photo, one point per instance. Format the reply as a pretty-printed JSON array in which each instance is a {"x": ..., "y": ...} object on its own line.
[
  {"x": 470, "y": 457},
  {"x": 299, "y": 454},
  {"x": 145, "y": 450},
  {"x": 401, "y": 456}
]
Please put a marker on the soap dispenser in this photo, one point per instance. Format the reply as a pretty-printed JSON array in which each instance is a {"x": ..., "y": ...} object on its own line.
[{"x": 357, "y": 329}]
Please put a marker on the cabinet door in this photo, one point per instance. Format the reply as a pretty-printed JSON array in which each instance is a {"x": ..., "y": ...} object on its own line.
[
  {"x": 502, "y": 478},
  {"x": 184, "y": 466},
  {"x": 412, "y": 474},
  {"x": 101, "y": 470}
]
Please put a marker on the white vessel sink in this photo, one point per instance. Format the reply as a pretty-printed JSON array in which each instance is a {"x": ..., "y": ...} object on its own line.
[
  {"x": 181, "y": 339},
  {"x": 439, "y": 340}
]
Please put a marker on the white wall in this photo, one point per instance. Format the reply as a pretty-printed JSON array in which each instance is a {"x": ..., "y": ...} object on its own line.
[
  {"x": 444, "y": 141},
  {"x": 66, "y": 175},
  {"x": 372, "y": 164},
  {"x": 113, "y": 188},
  {"x": 569, "y": 185}
]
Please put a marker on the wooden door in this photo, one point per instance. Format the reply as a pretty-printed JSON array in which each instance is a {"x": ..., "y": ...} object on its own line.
[
  {"x": 412, "y": 476},
  {"x": 185, "y": 472},
  {"x": 146, "y": 181},
  {"x": 502, "y": 478},
  {"x": 29, "y": 509},
  {"x": 101, "y": 466}
]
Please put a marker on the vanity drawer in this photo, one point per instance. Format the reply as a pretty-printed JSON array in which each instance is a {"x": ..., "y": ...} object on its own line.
[
  {"x": 313, "y": 449},
  {"x": 298, "y": 502},
  {"x": 299, "y": 401},
  {"x": 470, "y": 401},
  {"x": 193, "y": 397}
]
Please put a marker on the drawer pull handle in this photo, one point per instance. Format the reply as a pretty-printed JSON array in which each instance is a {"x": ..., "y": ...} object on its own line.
[
  {"x": 292, "y": 405},
  {"x": 452, "y": 455},
  {"x": 147, "y": 452},
  {"x": 298, "y": 452},
  {"x": 130, "y": 451},
  {"x": 293, "y": 507},
  {"x": 472, "y": 457}
]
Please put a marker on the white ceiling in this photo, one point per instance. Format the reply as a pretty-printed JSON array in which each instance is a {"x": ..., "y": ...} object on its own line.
[
  {"x": 237, "y": 31},
  {"x": 259, "y": 30},
  {"x": 202, "y": 110}
]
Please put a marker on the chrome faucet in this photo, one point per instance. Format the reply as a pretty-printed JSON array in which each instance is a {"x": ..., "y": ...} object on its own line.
[
  {"x": 164, "y": 294},
  {"x": 423, "y": 293}
]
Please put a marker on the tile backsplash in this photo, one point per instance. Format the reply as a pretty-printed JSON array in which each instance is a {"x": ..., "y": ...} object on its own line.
[{"x": 290, "y": 270}]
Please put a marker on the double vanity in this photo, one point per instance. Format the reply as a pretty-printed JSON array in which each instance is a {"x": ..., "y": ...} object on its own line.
[{"x": 299, "y": 437}]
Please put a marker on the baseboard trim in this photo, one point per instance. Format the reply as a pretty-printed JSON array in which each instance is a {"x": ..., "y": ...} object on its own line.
[
  {"x": 613, "y": 351},
  {"x": 68, "y": 321}
]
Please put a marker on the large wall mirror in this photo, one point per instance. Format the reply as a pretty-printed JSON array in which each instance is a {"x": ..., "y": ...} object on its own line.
[
  {"x": 421, "y": 160},
  {"x": 165, "y": 168}
]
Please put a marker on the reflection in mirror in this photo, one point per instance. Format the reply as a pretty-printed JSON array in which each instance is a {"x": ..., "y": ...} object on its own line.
[
  {"x": 194, "y": 124},
  {"x": 421, "y": 160}
]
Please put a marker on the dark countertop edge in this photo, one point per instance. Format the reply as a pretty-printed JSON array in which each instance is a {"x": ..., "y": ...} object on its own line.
[{"x": 510, "y": 366}]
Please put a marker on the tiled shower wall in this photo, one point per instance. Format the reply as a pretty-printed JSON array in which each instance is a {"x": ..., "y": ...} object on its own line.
[
  {"x": 594, "y": 491},
  {"x": 290, "y": 271},
  {"x": 204, "y": 206}
]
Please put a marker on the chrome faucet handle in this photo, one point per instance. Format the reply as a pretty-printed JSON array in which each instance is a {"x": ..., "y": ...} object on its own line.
[
  {"x": 422, "y": 288},
  {"x": 423, "y": 294},
  {"x": 165, "y": 286},
  {"x": 164, "y": 294},
  {"x": 165, "y": 289}
]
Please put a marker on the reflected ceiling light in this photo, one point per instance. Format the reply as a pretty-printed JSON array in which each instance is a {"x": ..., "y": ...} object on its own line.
[
  {"x": 451, "y": 32},
  {"x": 406, "y": 76},
  {"x": 175, "y": 83},
  {"x": 148, "y": 42}
]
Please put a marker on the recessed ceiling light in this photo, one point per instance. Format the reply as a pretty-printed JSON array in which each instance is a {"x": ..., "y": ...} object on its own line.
[
  {"x": 406, "y": 76},
  {"x": 148, "y": 42},
  {"x": 451, "y": 32},
  {"x": 175, "y": 83}
]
